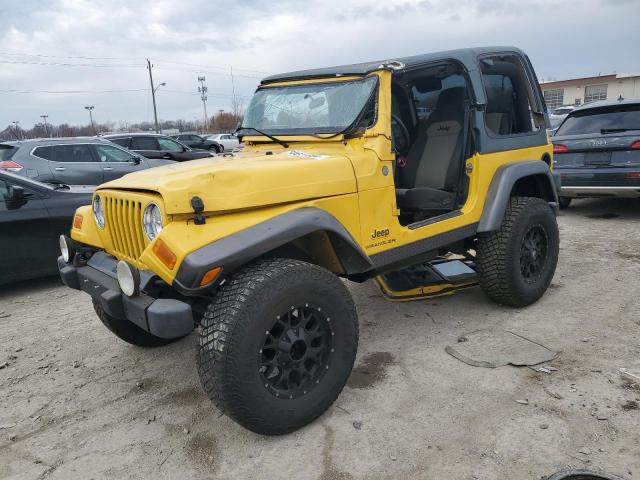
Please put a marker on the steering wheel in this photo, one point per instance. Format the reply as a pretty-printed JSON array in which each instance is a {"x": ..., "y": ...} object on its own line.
[{"x": 400, "y": 138}]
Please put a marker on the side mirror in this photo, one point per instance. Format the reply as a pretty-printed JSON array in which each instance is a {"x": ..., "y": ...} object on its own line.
[
  {"x": 15, "y": 193},
  {"x": 135, "y": 160}
]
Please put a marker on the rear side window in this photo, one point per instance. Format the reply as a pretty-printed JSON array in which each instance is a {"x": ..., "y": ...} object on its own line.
[
  {"x": 510, "y": 99},
  {"x": 616, "y": 118},
  {"x": 144, "y": 143},
  {"x": 123, "y": 142},
  {"x": 7, "y": 151},
  {"x": 42, "y": 152},
  {"x": 71, "y": 153}
]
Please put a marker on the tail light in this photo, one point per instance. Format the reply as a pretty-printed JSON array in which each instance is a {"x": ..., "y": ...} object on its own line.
[
  {"x": 632, "y": 175},
  {"x": 635, "y": 145},
  {"x": 559, "y": 148},
  {"x": 10, "y": 166}
]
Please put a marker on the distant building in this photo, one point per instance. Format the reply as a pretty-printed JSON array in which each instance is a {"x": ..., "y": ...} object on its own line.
[{"x": 577, "y": 91}]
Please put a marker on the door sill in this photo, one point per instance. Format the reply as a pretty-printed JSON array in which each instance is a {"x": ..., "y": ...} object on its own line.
[{"x": 437, "y": 218}]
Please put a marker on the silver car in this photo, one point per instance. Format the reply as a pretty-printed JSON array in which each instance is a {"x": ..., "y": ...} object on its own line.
[{"x": 72, "y": 161}]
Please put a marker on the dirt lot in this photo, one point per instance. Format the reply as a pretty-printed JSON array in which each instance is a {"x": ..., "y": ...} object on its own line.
[{"x": 75, "y": 402}]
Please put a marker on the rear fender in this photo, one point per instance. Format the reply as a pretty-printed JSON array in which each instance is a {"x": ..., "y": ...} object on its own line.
[{"x": 529, "y": 178}]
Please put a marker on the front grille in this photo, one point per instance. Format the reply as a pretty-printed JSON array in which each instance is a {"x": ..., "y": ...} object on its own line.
[{"x": 124, "y": 221}]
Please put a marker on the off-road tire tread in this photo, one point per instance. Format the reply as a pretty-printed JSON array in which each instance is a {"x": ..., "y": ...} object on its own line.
[
  {"x": 494, "y": 255},
  {"x": 228, "y": 317},
  {"x": 127, "y": 331}
]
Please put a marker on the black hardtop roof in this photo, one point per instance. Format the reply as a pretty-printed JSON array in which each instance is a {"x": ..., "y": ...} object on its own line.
[
  {"x": 466, "y": 56},
  {"x": 135, "y": 134}
]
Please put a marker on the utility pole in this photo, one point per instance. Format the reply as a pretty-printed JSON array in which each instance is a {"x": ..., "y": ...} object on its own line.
[
  {"x": 153, "y": 96},
  {"x": 91, "y": 107},
  {"x": 46, "y": 129},
  {"x": 16, "y": 131},
  {"x": 202, "y": 89}
]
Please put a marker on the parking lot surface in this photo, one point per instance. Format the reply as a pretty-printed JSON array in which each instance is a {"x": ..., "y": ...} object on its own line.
[{"x": 76, "y": 402}]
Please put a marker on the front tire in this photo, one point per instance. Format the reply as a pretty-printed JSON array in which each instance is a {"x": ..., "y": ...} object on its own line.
[
  {"x": 516, "y": 263},
  {"x": 127, "y": 331},
  {"x": 278, "y": 344}
]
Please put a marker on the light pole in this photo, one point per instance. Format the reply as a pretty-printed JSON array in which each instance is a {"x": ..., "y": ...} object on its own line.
[
  {"x": 46, "y": 130},
  {"x": 15, "y": 128},
  {"x": 155, "y": 111},
  {"x": 91, "y": 107},
  {"x": 202, "y": 89}
]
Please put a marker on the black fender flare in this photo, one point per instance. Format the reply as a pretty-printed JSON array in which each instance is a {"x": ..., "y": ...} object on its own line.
[
  {"x": 502, "y": 185},
  {"x": 235, "y": 250}
]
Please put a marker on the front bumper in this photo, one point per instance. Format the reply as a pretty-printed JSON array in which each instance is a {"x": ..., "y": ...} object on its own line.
[
  {"x": 599, "y": 182},
  {"x": 162, "y": 317}
]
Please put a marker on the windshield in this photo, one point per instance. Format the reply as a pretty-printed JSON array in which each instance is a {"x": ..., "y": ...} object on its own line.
[
  {"x": 313, "y": 108},
  {"x": 617, "y": 117}
]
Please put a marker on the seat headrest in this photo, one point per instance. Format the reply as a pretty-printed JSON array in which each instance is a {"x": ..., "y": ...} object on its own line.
[{"x": 451, "y": 98}]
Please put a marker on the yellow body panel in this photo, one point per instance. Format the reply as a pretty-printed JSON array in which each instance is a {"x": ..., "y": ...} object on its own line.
[{"x": 352, "y": 179}]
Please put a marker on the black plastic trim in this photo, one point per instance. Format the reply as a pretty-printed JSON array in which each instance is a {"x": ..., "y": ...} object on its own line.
[
  {"x": 411, "y": 253},
  {"x": 235, "y": 250},
  {"x": 501, "y": 186}
]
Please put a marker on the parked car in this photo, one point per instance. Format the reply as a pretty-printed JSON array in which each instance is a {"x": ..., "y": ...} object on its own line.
[
  {"x": 198, "y": 142},
  {"x": 153, "y": 145},
  {"x": 597, "y": 151},
  {"x": 73, "y": 161},
  {"x": 227, "y": 140},
  {"x": 558, "y": 115},
  {"x": 251, "y": 251},
  {"x": 32, "y": 217}
]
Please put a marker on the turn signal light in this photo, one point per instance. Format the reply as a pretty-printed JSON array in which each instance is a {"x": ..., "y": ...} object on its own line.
[
  {"x": 210, "y": 276},
  {"x": 10, "y": 166},
  {"x": 635, "y": 145},
  {"x": 559, "y": 148},
  {"x": 77, "y": 222},
  {"x": 164, "y": 253}
]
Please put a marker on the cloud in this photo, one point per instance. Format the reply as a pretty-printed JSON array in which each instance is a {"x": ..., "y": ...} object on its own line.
[{"x": 191, "y": 38}]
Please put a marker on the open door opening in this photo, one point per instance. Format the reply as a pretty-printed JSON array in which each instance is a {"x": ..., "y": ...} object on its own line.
[{"x": 430, "y": 127}]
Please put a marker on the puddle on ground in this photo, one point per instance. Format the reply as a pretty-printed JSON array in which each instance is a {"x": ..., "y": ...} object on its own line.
[
  {"x": 603, "y": 216},
  {"x": 371, "y": 369}
]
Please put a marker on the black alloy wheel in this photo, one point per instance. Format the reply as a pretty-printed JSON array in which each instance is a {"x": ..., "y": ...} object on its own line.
[{"x": 296, "y": 351}]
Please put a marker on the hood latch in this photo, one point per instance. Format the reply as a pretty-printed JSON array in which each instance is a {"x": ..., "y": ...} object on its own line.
[{"x": 198, "y": 207}]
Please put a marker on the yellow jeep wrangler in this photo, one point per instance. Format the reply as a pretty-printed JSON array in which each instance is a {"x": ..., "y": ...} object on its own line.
[{"x": 429, "y": 174}]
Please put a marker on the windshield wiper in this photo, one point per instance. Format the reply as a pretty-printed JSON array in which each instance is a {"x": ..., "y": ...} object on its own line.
[
  {"x": 271, "y": 137},
  {"x": 616, "y": 130}
]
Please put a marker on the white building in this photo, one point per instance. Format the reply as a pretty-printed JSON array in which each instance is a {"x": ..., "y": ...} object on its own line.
[{"x": 577, "y": 91}]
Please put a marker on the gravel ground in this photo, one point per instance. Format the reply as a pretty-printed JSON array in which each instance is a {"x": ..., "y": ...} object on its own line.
[{"x": 76, "y": 402}]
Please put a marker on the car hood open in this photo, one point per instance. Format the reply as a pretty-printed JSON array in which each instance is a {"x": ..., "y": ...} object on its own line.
[{"x": 250, "y": 179}]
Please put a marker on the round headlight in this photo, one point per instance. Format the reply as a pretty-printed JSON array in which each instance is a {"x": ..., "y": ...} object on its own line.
[
  {"x": 152, "y": 221},
  {"x": 98, "y": 211},
  {"x": 128, "y": 278}
]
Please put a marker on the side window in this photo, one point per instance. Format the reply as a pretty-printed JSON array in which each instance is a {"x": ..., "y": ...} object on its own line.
[
  {"x": 123, "y": 142},
  {"x": 71, "y": 153},
  {"x": 112, "y": 154},
  {"x": 144, "y": 143},
  {"x": 510, "y": 99},
  {"x": 42, "y": 152},
  {"x": 170, "y": 145}
]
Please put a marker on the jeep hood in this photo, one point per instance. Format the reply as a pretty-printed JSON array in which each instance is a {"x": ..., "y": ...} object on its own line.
[{"x": 250, "y": 179}]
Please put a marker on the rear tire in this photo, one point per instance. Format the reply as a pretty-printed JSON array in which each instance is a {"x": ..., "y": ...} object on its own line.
[
  {"x": 564, "y": 202},
  {"x": 516, "y": 263},
  {"x": 127, "y": 331},
  {"x": 277, "y": 344}
]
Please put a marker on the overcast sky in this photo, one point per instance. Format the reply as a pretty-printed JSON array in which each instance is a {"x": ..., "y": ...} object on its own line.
[{"x": 90, "y": 47}]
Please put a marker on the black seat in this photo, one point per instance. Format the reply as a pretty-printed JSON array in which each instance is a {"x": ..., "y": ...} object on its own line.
[{"x": 428, "y": 180}]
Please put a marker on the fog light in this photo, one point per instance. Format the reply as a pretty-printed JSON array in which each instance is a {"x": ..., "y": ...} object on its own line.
[
  {"x": 128, "y": 278},
  {"x": 66, "y": 248}
]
